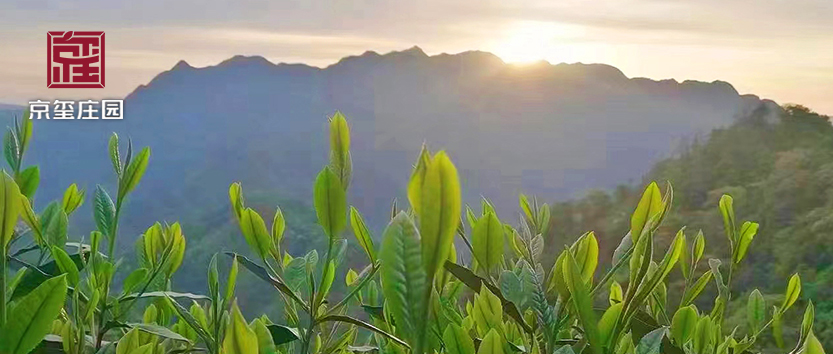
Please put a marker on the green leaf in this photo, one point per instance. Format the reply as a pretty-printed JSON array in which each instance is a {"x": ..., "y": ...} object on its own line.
[
  {"x": 159, "y": 294},
  {"x": 231, "y": 281},
  {"x": 699, "y": 247},
  {"x": 104, "y": 212},
  {"x": 440, "y": 212},
  {"x": 283, "y": 334},
  {"x": 340, "y": 161},
  {"x": 608, "y": 322},
  {"x": 66, "y": 265},
  {"x": 54, "y": 224},
  {"x": 492, "y": 343},
  {"x": 31, "y": 317},
  {"x": 158, "y": 331},
  {"x": 417, "y": 181},
  {"x": 11, "y": 148},
  {"x": 703, "y": 336},
  {"x": 362, "y": 234},
  {"x": 197, "y": 325},
  {"x": 134, "y": 172},
  {"x": 583, "y": 302},
  {"x": 235, "y": 194},
  {"x": 327, "y": 279},
  {"x": 475, "y": 283},
  {"x": 728, "y": 213},
  {"x": 261, "y": 273},
  {"x": 404, "y": 281},
  {"x": 616, "y": 295},
  {"x": 487, "y": 312},
  {"x": 35, "y": 276},
  {"x": 10, "y": 202},
  {"x": 24, "y": 131},
  {"x": 755, "y": 311},
  {"x": 807, "y": 321},
  {"x": 812, "y": 345},
  {"x": 565, "y": 349},
  {"x": 73, "y": 198},
  {"x": 28, "y": 181},
  {"x": 697, "y": 288},
  {"x": 330, "y": 202},
  {"x": 128, "y": 343},
  {"x": 586, "y": 251},
  {"x": 457, "y": 341},
  {"x": 113, "y": 148},
  {"x": 649, "y": 205},
  {"x": 278, "y": 227},
  {"x": 365, "y": 325},
  {"x": 683, "y": 325},
  {"x": 134, "y": 279},
  {"x": 239, "y": 338},
  {"x": 791, "y": 295},
  {"x": 526, "y": 208},
  {"x": 255, "y": 232},
  {"x": 651, "y": 342},
  {"x": 747, "y": 233},
  {"x": 487, "y": 242}
]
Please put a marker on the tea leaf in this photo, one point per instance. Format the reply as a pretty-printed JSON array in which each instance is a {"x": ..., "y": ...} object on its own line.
[
  {"x": 330, "y": 202},
  {"x": 651, "y": 342},
  {"x": 113, "y": 148},
  {"x": 697, "y": 288},
  {"x": 283, "y": 334},
  {"x": 457, "y": 341},
  {"x": 812, "y": 345},
  {"x": 362, "y": 234},
  {"x": 492, "y": 343},
  {"x": 10, "y": 202},
  {"x": 649, "y": 206},
  {"x": 31, "y": 317},
  {"x": 340, "y": 149},
  {"x": 703, "y": 337},
  {"x": 608, "y": 322},
  {"x": 583, "y": 302},
  {"x": 255, "y": 232},
  {"x": 440, "y": 212},
  {"x": 747, "y": 233},
  {"x": 29, "y": 181},
  {"x": 755, "y": 311},
  {"x": 104, "y": 211},
  {"x": 487, "y": 242},
  {"x": 791, "y": 295},
  {"x": 404, "y": 280},
  {"x": 66, "y": 265},
  {"x": 683, "y": 325},
  {"x": 728, "y": 213},
  {"x": 134, "y": 172},
  {"x": 239, "y": 338}
]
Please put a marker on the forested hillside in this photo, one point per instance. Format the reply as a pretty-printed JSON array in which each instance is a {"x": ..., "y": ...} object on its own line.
[{"x": 781, "y": 175}]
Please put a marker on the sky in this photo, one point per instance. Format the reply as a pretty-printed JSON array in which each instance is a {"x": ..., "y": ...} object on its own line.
[{"x": 776, "y": 49}]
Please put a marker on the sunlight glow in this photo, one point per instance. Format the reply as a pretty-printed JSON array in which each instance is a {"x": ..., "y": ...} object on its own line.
[{"x": 530, "y": 41}]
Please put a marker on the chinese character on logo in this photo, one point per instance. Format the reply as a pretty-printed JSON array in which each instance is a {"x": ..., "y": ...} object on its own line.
[
  {"x": 112, "y": 109},
  {"x": 75, "y": 59}
]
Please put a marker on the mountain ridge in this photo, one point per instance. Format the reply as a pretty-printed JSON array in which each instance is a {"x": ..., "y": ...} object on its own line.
[{"x": 543, "y": 129}]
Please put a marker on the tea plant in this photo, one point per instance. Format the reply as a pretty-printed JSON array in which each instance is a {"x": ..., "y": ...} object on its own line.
[{"x": 417, "y": 294}]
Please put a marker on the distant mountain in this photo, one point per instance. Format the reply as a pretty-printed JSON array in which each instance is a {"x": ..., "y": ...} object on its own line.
[{"x": 547, "y": 130}]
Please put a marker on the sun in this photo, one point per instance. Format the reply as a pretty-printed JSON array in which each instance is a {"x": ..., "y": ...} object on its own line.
[{"x": 530, "y": 41}]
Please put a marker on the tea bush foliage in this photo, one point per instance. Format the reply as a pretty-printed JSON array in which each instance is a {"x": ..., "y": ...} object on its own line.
[{"x": 442, "y": 278}]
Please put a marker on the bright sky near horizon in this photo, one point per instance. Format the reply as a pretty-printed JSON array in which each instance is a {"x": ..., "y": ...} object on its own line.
[{"x": 777, "y": 49}]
